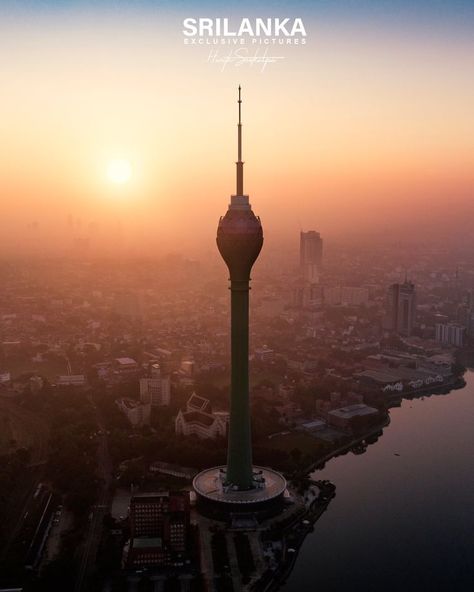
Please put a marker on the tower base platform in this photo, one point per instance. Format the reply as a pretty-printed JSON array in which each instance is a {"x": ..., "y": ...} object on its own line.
[{"x": 219, "y": 501}]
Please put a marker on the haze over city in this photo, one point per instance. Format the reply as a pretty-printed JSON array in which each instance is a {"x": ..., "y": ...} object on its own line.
[{"x": 373, "y": 134}]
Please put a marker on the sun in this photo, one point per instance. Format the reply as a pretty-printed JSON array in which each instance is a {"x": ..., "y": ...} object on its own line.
[{"x": 119, "y": 171}]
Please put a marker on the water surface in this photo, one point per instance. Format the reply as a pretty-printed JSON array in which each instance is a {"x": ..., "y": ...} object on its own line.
[{"x": 400, "y": 523}]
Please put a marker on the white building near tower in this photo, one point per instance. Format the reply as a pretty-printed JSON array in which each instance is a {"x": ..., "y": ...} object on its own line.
[
  {"x": 199, "y": 419},
  {"x": 155, "y": 389},
  {"x": 137, "y": 413}
]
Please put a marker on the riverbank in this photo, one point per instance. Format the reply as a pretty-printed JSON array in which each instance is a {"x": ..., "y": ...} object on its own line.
[
  {"x": 456, "y": 383},
  {"x": 295, "y": 534},
  {"x": 346, "y": 447},
  {"x": 388, "y": 503}
]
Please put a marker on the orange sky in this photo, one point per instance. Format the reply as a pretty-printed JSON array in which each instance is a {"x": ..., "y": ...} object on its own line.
[{"x": 359, "y": 129}]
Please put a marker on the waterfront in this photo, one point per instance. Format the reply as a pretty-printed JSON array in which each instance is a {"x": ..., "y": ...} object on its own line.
[{"x": 403, "y": 514}]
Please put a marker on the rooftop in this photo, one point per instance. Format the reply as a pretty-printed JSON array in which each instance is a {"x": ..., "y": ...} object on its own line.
[
  {"x": 356, "y": 410},
  {"x": 380, "y": 376},
  {"x": 125, "y": 361},
  {"x": 204, "y": 419},
  {"x": 197, "y": 403},
  {"x": 146, "y": 542},
  {"x": 208, "y": 484}
]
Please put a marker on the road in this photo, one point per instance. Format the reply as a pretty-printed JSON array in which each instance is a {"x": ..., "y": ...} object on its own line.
[{"x": 91, "y": 543}]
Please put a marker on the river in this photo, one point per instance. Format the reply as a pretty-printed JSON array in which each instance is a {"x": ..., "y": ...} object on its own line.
[{"x": 403, "y": 516}]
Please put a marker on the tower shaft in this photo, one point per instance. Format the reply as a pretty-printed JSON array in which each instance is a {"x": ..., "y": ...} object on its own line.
[
  {"x": 239, "y": 451},
  {"x": 239, "y": 240}
]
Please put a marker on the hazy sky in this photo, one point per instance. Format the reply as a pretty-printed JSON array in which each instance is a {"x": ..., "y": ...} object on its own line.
[{"x": 366, "y": 128}]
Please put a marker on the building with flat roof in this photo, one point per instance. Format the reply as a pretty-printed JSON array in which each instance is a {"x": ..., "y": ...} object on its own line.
[
  {"x": 159, "y": 530},
  {"x": 71, "y": 380},
  {"x": 352, "y": 416}
]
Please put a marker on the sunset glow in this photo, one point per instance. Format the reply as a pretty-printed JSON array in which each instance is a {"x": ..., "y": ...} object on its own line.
[
  {"x": 119, "y": 171},
  {"x": 384, "y": 118}
]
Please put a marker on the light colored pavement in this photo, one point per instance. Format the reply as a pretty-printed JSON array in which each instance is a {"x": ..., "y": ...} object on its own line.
[{"x": 53, "y": 543}]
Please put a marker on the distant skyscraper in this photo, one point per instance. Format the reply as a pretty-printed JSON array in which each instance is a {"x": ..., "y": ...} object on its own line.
[
  {"x": 465, "y": 314},
  {"x": 311, "y": 255},
  {"x": 401, "y": 313}
]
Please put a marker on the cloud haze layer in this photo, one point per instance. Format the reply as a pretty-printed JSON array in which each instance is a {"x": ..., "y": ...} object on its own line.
[{"x": 367, "y": 128}]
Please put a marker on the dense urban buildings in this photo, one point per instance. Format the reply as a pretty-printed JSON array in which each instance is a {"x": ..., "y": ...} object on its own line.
[{"x": 63, "y": 345}]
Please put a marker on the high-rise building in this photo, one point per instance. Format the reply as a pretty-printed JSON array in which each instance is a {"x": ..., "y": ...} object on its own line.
[
  {"x": 239, "y": 486},
  {"x": 465, "y": 314},
  {"x": 401, "y": 308},
  {"x": 450, "y": 334},
  {"x": 159, "y": 529},
  {"x": 311, "y": 256},
  {"x": 155, "y": 389}
]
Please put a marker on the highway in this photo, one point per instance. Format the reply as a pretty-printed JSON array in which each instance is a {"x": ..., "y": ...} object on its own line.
[{"x": 88, "y": 551}]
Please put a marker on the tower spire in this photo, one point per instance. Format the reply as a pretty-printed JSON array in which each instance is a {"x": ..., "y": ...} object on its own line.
[{"x": 239, "y": 163}]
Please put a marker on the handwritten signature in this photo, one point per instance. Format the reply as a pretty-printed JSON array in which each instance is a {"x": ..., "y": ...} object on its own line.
[{"x": 243, "y": 56}]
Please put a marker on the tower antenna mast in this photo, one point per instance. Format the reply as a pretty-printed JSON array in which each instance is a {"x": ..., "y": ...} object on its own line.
[{"x": 239, "y": 163}]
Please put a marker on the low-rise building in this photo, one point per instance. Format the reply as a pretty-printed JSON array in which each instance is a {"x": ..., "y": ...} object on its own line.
[
  {"x": 125, "y": 366},
  {"x": 352, "y": 416},
  {"x": 138, "y": 414},
  {"x": 199, "y": 419},
  {"x": 174, "y": 470},
  {"x": 71, "y": 380}
]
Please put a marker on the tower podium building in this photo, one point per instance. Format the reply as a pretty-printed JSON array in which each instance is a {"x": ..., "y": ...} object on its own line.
[{"x": 239, "y": 486}]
